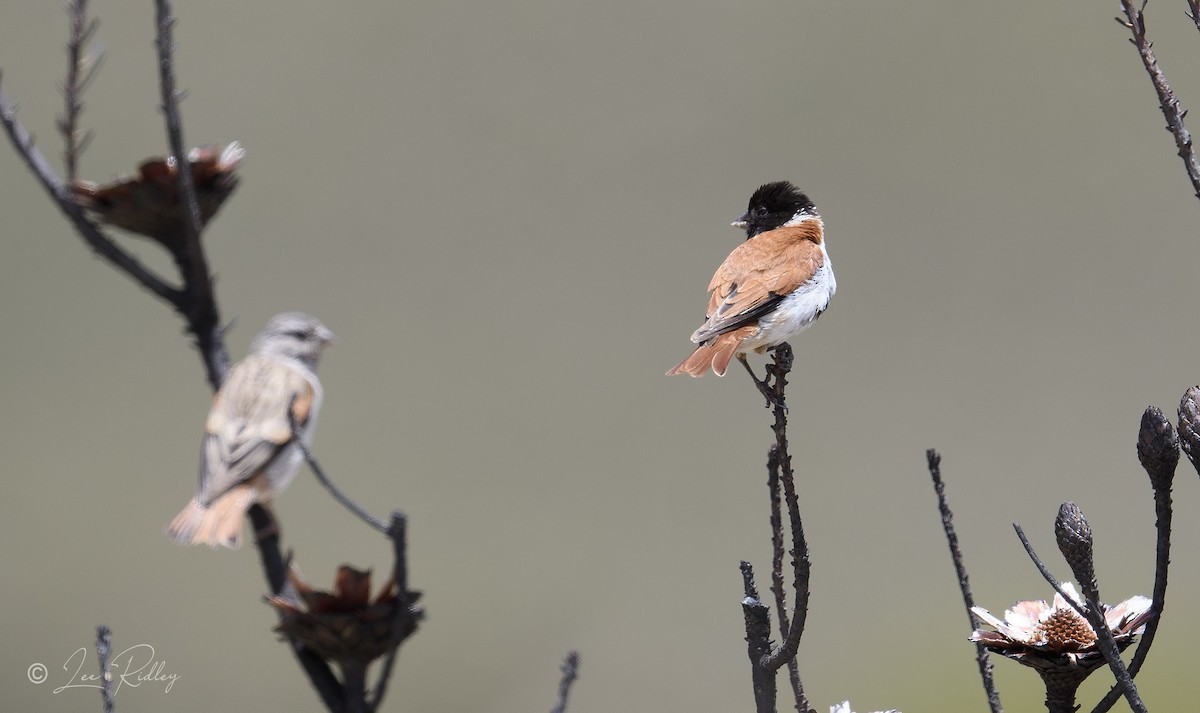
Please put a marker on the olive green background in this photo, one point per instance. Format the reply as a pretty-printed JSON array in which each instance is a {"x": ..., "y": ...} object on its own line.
[{"x": 508, "y": 213}]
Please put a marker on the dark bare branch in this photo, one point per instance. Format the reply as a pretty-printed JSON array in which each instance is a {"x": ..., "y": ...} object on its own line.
[
  {"x": 338, "y": 495},
  {"x": 200, "y": 308},
  {"x": 777, "y": 555},
  {"x": 1193, "y": 12},
  {"x": 1135, "y": 22},
  {"x": 165, "y": 44},
  {"x": 103, "y": 655},
  {"x": 570, "y": 671},
  {"x": 782, "y": 487},
  {"x": 407, "y": 613},
  {"x": 1158, "y": 451},
  {"x": 758, "y": 643},
  {"x": 982, "y": 659},
  {"x": 779, "y": 460},
  {"x": 81, "y": 69}
]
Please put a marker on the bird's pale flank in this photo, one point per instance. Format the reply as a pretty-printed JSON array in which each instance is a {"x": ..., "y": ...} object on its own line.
[
  {"x": 771, "y": 287},
  {"x": 249, "y": 453}
]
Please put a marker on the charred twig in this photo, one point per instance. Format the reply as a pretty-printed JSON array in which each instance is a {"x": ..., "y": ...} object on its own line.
[
  {"x": 81, "y": 69},
  {"x": 777, "y": 554},
  {"x": 934, "y": 461},
  {"x": 164, "y": 43},
  {"x": 763, "y": 385},
  {"x": 201, "y": 306},
  {"x": 570, "y": 671},
  {"x": 103, "y": 654},
  {"x": 407, "y": 614},
  {"x": 1135, "y": 22},
  {"x": 1158, "y": 451},
  {"x": 758, "y": 643},
  {"x": 765, "y": 660},
  {"x": 779, "y": 467},
  {"x": 349, "y": 504},
  {"x": 801, "y": 567},
  {"x": 1193, "y": 12}
]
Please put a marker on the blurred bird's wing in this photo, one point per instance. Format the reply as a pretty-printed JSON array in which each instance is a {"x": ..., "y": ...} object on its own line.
[
  {"x": 757, "y": 275},
  {"x": 248, "y": 424}
]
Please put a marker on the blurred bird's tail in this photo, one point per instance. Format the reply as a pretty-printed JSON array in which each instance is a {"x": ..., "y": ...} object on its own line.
[{"x": 218, "y": 524}]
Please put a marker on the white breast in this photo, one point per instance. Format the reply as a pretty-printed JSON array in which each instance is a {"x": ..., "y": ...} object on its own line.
[{"x": 797, "y": 311}]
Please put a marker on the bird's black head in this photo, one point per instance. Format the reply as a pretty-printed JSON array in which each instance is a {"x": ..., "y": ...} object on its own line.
[{"x": 773, "y": 205}]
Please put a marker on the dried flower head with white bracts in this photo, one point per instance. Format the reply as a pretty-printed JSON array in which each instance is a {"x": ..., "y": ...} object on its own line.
[{"x": 1047, "y": 636}]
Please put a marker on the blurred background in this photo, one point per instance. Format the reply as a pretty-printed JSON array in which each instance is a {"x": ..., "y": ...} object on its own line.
[{"x": 508, "y": 212}]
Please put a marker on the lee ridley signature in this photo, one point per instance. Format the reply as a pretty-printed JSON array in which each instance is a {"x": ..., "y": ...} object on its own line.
[{"x": 134, "y": 667}]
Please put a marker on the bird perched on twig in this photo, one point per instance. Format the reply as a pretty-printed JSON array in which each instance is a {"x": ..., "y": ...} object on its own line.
[
  {"x": 249, "y": 452},
  {"x": 770, "y": 288}
]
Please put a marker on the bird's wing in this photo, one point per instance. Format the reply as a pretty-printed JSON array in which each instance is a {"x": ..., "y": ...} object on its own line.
[
  {"x": 248, "y": 424},
  {"x": 756, "y": 276}
]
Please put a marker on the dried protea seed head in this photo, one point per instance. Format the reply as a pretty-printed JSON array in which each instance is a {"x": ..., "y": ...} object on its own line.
[
  {"x": 1189, "y": 425},
  {"x": 346, "y": 625},
  {"x": 1074, "y": 536},
  {"x": 150, "y": 205},
  {"x": 1056, "y": 641},
  {"x": 1158, "y": 448},
  {"x": 1064, "y": 630}
]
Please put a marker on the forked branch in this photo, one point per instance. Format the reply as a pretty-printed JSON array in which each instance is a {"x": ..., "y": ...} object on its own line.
[{"x": 767, "y": 660}]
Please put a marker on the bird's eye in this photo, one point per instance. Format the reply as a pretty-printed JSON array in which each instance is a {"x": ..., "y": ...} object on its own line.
[
  {"x": 298, "y": 334},
  {"x": 761, "y": 211}
]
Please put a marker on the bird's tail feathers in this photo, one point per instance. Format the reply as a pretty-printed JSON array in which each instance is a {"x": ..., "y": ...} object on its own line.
[
  {"x": 715, "y": 354},
  {"x": 218, "y": 524}
]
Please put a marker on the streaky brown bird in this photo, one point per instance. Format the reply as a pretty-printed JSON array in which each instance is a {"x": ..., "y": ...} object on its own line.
[{"x": 249, "y": 453}]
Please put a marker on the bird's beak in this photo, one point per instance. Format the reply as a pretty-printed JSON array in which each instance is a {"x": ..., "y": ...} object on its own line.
[
  {"x": 327, "y": 337},
  {"x": 741, "y": 221}
]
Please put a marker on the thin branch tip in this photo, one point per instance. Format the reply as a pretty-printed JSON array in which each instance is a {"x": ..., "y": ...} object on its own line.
[
  {"x": 570, "y": 672},
  {"x": 358, "y": 511},
  {"x": 982, "y": 659}
]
